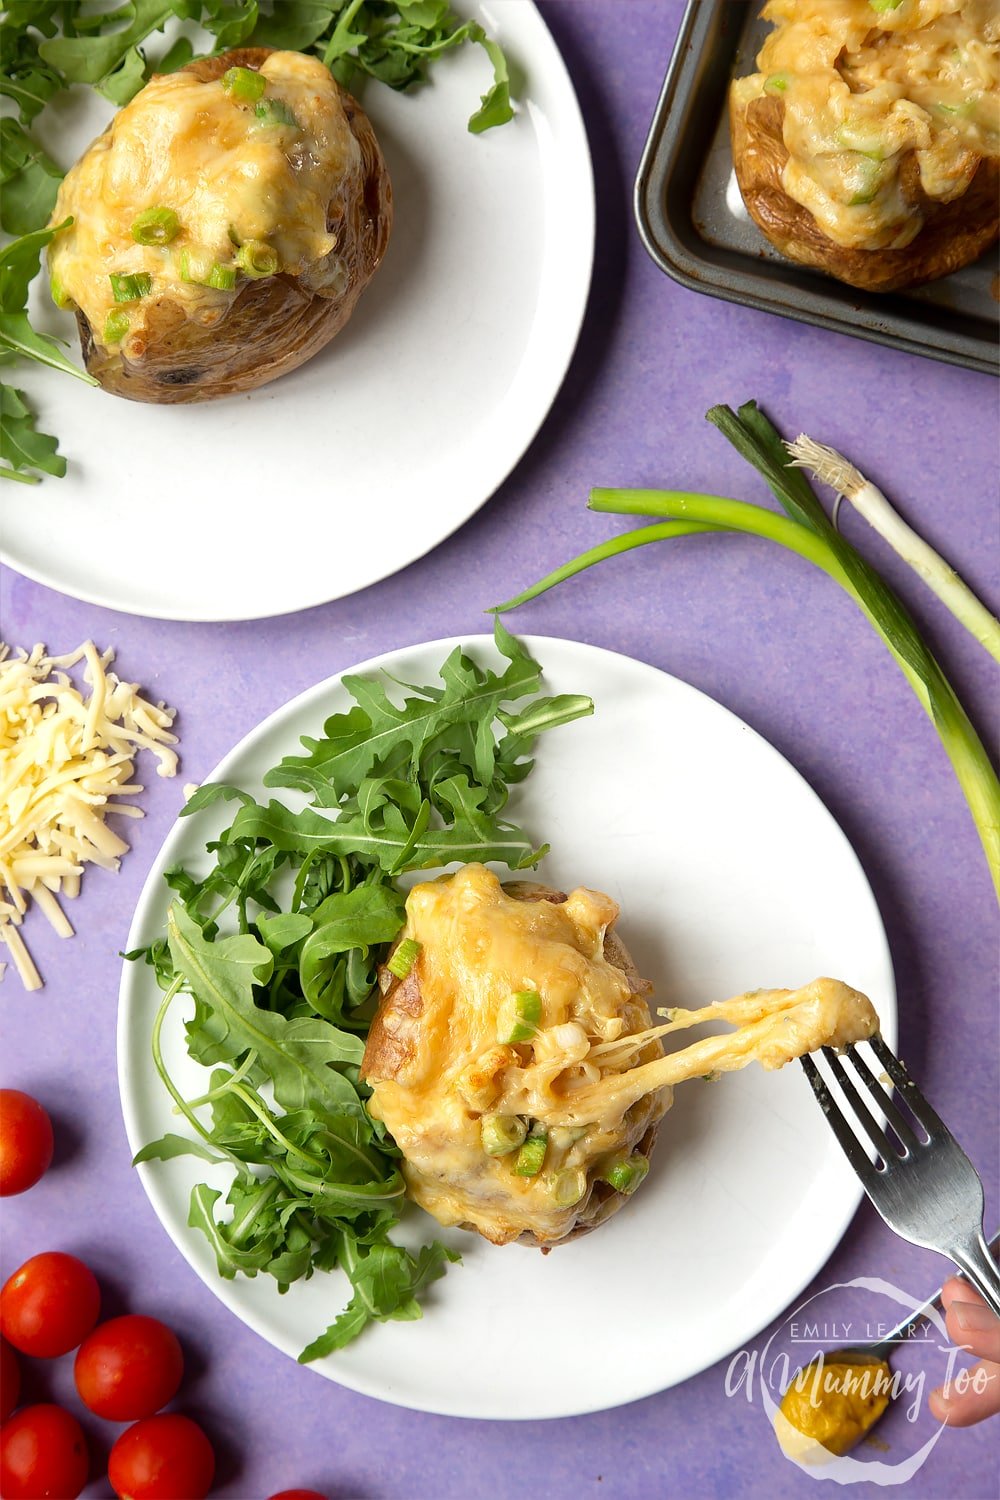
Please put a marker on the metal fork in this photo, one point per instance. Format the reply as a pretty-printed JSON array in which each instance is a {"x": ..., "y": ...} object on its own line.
[{"x": 927, "y": 1191}]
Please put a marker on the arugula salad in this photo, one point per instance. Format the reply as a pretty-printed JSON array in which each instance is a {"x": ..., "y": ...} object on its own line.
[
  {"x": 48, "y": 47},
  {"x": 277, "y": 946}
]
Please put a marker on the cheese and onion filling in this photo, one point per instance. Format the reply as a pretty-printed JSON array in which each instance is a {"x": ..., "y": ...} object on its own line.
[
  {"x": 65, "y": 760},
  {"x": 197, "y": 188},
  {"x": 531, "y": 1070},
  {"x": 864, "y": 83}
]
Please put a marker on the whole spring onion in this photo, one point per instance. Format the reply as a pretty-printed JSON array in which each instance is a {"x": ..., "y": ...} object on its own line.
[
  {"x": 155, "y": 226},
  {"x": 116, "y": 326},
  {"x": 256, "y": 258},
  {"x": 244, "y": 83},
  {"x": 806, "y": 529},
  {"x": 830, "y": 467},
  {"x": 130, "y": 288}
]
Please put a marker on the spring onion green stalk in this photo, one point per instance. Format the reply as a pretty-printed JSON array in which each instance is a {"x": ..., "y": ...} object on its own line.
[
  {"x": 130, "y": 288},
  {"x": 244, "y": 83},
  {"x": 401, "y": 961},
  {"x": 830, "y": 467},
  {"x": 807, "y": 530},
  {"x": 256, "y": 258},
  {"x": 275, "y": 112},
  {"x": 155, "y": 226},
  {"x": 501, "y": 1134},
  {"x": 531, "y": 1157},
  {"x": 116, "y": 326},
  {"x": 519, "y": 1016},
  {"x": 624, "y": 1174}
]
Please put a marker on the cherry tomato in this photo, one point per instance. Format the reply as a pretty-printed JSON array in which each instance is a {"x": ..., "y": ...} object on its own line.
[
  {"x": 43, "y": 1453},
  {"x": 128, "y": 1368},
  {"x": 49, "y": 1305},
  {"x": 25, "y": 1142},
  {"x": 299, "y": 1495},
  {"x": 162, "y": 1458},
  {"x": 10, "y": 1380}
]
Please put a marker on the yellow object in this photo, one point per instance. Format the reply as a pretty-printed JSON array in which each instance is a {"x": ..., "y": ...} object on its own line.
[{"x": 833, "y": 1405}]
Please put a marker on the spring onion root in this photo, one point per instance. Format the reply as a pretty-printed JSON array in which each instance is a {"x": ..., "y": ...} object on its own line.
[{"x": 831, "y": 468}]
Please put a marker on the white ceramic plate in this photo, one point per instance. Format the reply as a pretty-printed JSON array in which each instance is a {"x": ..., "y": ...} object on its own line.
[
  {"x": 372, "y": 453},
  {"x": 731, "y": 875}
]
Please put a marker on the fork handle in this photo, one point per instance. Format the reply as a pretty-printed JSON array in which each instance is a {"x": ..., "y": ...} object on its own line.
[{"x": 980, "y": 1270}]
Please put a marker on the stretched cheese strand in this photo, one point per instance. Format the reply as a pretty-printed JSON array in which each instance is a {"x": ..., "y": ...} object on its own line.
[{"x": 772, "y": 1028}]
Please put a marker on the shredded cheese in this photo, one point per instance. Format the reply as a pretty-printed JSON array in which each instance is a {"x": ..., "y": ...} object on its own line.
[{"x": 65, "y": 759}]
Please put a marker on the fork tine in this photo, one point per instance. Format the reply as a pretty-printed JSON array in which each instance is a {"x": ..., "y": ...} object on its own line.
[
  {"x": 845, "y": 1135},
  {"x": 883, "y": 1100},
  {"x": 859, "y": 1107},
  {"x": 929, "y": 1118}
]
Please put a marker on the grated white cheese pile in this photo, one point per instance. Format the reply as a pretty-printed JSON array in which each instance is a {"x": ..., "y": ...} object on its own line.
[{"x": 63, "y": 759}]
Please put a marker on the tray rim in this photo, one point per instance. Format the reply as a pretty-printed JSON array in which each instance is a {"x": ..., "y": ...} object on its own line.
[{"x": 668, "y": 251}]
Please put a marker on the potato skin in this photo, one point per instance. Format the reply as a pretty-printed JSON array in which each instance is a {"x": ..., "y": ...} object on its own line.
[
  {"x": 386, "y": 1055},
  {"x": 954, "y": 234},
  {"x": 273, "y": 325}
]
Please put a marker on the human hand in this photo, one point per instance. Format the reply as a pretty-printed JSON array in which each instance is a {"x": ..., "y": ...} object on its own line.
[{"x": 971, "y": 1395}]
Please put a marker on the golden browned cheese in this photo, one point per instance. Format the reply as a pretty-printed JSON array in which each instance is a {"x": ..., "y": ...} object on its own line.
[
  {"x": 591, "y": 1075},
  {"x": 886, "y": 112},
  {"x": 187, "y": 145}
]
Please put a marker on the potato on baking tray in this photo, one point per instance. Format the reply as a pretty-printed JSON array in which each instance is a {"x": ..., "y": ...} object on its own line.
[{"x": 866, "y": 144}]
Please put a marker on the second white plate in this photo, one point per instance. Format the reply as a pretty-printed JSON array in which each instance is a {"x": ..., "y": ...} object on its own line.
[
  {"x": 731, "y": 875},
  {"x": 372, "y": 453}
]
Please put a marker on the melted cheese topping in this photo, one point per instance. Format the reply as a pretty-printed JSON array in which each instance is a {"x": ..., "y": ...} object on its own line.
[
  {"x": 191, "y": 147},
  {"x": 862, "y": 87},
  {"x": 593, "y": 1076},
  {"x": 63, "y": 758}
]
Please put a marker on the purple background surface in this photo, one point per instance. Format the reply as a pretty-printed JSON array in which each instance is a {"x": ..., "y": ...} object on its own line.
[{"x": 755, "y": 628}]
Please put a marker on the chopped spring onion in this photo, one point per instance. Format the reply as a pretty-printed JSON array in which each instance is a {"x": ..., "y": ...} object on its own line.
[
  {"x": 624, "y": 1174},
  {"x": 501, "y": 1134},
  {"x": 518, "y": 1017},
  {"x": 882, "y": 5},
  {"x": 116, "y": 326},
  {"x": 401, "y": 961},
  {"x": 198, "y": 267},
  {"x": 59, "y": 294},
  {"x": 129, "y": 288},
  {"x": 830, "y": 467},
  {"x": 244, "y": 83},
  {"x": 256, "y": 258},
  {"x": 807, "y": 530},
  {"x": 275, "y": 112},
  {"x": 223, "y": 278},
  {"x": 155, "y": 226},
  {"x": 568, "y": 1187},
  {"x": 776, "y": 84},
  {"x": 531, "y": 1157}
]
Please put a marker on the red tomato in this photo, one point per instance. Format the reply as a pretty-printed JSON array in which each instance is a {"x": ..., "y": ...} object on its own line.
[
  {"x": 162, "y": 1458},
  {"x": 10, "y": 1380},
  {"x": 43, "y": 1453},
  {"x": 25, "y": 1142},
  {"x": 49, "y": 1305},
  {"x": 299, "y": 1495},
  {"x": 128, "y": 1368}
]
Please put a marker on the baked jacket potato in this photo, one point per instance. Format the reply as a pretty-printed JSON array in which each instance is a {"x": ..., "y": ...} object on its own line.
[
  {"x": 514, "y": 1060},
  {"x": 867, "y": 142},
  {"x": 225, "y": 225}
]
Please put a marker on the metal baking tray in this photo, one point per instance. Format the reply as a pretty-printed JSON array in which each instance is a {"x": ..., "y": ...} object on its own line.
[{"x": 693, "y": 222}]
